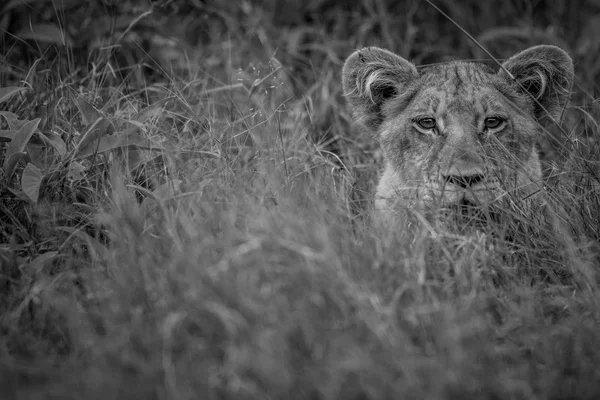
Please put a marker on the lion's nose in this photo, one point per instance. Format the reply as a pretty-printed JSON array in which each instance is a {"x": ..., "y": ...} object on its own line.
[{"x": 464, "y": 181}]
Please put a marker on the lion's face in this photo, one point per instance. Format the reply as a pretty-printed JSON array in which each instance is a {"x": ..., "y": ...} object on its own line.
[
  {"x": 459, "y": 139},
  {"x": 457, "y": 133}
]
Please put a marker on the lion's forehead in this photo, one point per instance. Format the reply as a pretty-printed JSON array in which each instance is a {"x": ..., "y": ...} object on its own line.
[
  {"x": 457, "y": 88},
  {"x": 457, "y": 74},
  {"x": 472, "y": 100}
]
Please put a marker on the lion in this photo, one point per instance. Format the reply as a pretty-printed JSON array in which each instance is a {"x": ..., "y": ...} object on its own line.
[{"x": 457, "y": 133}]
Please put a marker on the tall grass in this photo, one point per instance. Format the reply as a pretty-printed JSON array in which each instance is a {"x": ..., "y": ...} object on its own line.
[{"x": 230, "y": 253}]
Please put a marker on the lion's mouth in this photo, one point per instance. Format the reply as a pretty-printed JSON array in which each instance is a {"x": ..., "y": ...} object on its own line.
[
  {"x": 465, "y": 206},
  {"x": 466, "y": 211}
]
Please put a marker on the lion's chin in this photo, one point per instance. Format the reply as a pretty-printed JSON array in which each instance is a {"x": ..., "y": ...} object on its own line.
[
  {"x": 465, "y": 206},
  {"x": 464, "y": 212}
]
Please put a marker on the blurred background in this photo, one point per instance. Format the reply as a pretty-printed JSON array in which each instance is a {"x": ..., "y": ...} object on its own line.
[{"x": 307, "y": 37}]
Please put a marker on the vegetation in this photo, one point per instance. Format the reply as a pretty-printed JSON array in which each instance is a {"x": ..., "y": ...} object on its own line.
[{"x": 184, "y": 211}]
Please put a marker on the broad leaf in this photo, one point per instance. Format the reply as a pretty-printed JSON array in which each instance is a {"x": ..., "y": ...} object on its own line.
[
  {"x": 152, "y": 111},
  {"x": 91, "y": 137},
  {"x": 75, "y": 171},
  {"x": 8, "y": 135},
  {"x": 56, "y": 5},
  {"x": 89, "y": 113},
  {"x": 18, "y": 143},
  {"x": 38, "y": 264},
  {"x": 9, "y": 91},
  {"x": 10, "y": 163},
  {"x": 13, "y": 120},
  {"x": 108, "y": 143},
  {"x": 167, "y": 190},
  {"x": 54, "y": 140},
  {"x": 46, "y": 33},
  {"x": 31, "y": 181},
  {"x": 18, "y": 193}
]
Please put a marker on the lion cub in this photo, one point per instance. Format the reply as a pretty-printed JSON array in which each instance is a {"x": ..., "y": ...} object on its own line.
[{"x": 457, "y": 133}]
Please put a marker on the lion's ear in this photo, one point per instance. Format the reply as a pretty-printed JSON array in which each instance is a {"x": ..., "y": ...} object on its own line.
[
  {"x": 546, "y": 74},
  {"x": 372, "y": 76}
]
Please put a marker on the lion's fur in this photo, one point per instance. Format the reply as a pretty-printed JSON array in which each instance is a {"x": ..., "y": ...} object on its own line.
[{"x": 388, "y": 95}]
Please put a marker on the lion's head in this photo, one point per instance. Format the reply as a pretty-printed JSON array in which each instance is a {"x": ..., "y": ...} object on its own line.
[{"x": 457, "y": 132}]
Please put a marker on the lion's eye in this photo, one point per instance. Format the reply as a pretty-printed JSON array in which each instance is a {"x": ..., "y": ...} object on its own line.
[
  {"x": 493, "y": 122},
  {"x": 426, "y": 123}
]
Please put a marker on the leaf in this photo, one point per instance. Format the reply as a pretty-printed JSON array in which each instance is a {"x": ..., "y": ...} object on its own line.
[
  {"x": 9, "y": 91},
  {"x": 38, "y": 155},
  {"x": 135, "y": 158},
  {"x": 75, "y": 171},
  {"x": 90, "y": 138},
  {"x": 18, "y": 193},
  {"x": 108, "y": 143},
  {"x": 31, "y": 181},
  {"x": 167, "y": 190},
  {"x": 45, "y": 33},
  {"x": 15, "y": 3},
  {"x": 152, "y": 111},
  {"x": 17, "y": 144},
  {"x": 4, "y": 22},
  {"x": 57, "y": 5},
  {"x": 89, "y": 113},
  {"x": 13, "y": 120},
  {"x": 9, "y": 116},
  {"x": 7, "y": 135},
  {"x": 10, "y": 163},
  {"x": 38, "y": 264},
  {"x": 55, "y": 141}
]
